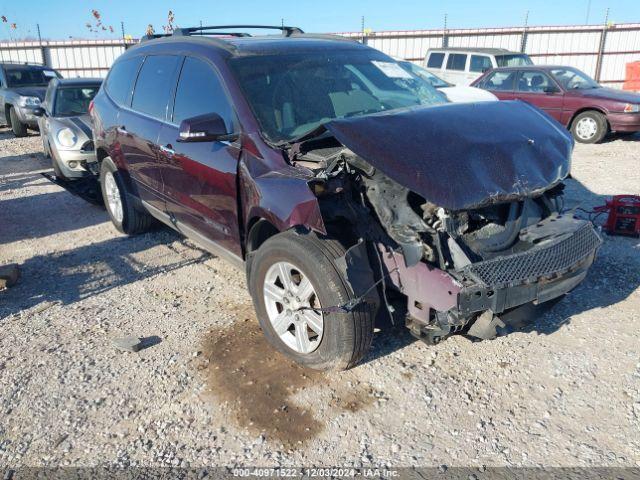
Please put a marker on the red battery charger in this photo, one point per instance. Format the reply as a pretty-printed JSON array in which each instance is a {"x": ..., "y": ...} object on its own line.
[{"x": 624, "y": 215}]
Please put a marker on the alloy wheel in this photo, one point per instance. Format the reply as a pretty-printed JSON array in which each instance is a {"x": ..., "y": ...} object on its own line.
[
  {"x": 114, "y": 200},
  {"x": 291, "y": 303}
]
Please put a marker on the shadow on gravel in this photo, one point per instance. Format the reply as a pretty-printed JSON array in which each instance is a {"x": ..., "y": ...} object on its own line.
[
  {"x": 69, "y": 276},
  {"x": 24, "y": 164},
  {"x": 44, "y": 214},
  {"x": 624, "y": 136}
]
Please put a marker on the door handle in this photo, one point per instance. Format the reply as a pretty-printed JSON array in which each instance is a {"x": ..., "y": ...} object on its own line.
[{"x": 167, "y": 149}]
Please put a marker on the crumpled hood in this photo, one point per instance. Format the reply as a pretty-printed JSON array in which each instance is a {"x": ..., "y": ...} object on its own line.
[
  {"x": 462, "y": 156},
  {"x": 31, "y": 92}
]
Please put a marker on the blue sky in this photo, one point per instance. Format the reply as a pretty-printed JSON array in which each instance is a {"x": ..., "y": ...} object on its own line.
[{"x": 60, "y": 19}]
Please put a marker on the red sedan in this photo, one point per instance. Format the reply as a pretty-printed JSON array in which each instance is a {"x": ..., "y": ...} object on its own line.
[{"x": 570, "y": 96}]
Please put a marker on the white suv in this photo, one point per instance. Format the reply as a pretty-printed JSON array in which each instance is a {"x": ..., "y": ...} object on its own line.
[{"x": 462, "y": 66}]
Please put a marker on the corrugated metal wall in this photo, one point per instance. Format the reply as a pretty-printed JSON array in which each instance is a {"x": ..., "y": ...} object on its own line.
[
  {"x": 70, "y": 58},
  {"x": 599, "y": 51}
]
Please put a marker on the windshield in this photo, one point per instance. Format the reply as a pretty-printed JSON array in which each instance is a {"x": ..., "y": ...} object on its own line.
[
  {"x": 513, "y": 60},
  {"x": 573, "y": 79},
  {"x": 291, "y": 95},
  {"x": 436, "y": 82},
  {"x": 28, "y": 77},
  {"x": 72, "y": 101}
]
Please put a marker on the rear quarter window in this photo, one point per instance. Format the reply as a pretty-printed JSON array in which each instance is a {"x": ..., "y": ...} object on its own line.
[
  {"x": 456, "y": 61},
  {"x": 500, "y": 81},
  {"x": 435, "y": 60},
  {"x": 121, "y": 78},
  {"x": 480, "y": 63}
]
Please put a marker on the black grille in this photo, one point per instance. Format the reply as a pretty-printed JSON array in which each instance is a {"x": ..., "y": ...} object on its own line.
[{"x": 539, "y": 262}]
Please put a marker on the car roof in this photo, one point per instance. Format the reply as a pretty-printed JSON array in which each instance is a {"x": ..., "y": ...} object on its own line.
[
  {"x": 78, "y": 81},
  {"x": 25, "y": 65},
  {"x": 532, "y": 67},
  {"x": 488, "y": 51},
  {"x": 259, "y": 45}
]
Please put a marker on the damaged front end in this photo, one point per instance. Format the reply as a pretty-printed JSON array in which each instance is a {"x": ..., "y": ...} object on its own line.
[{"x": 467, "y": 225}]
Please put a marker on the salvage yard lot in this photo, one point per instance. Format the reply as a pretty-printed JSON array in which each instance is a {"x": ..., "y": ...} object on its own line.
[{"x": 209, "y": 391}]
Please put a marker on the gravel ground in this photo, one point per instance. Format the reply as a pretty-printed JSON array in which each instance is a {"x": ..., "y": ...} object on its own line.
[{"x": 565, "y": 391}]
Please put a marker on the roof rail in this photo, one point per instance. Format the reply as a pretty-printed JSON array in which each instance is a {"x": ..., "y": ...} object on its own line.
[
  {"x": 286, "y": 31},
  {"x": 19, "y": 62},
  {"x": 153, "y": 36}
]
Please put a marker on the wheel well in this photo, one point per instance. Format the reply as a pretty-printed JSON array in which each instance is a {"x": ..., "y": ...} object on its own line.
[
  {"x": 260, "y": 230},
  {"x": 101, "y": 153},
  {"x": 589, "y": 109},
  {"x": 7, "y": 109}
]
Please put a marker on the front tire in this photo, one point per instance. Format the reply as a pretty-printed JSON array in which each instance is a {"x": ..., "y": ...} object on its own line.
[
  {"x": 56, "y": 166},
  {"x": 292, "y": 271},
  {"x": 589, "y": 127},
  {"x": 19, "y": 128},
  {"x": 122, "y": 212}
]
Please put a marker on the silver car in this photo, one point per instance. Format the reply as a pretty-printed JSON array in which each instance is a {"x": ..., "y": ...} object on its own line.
[{"x": 65, "y": 126}]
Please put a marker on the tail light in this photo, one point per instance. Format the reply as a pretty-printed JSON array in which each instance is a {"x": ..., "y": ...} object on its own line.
[{"x": 90, "y": 107}]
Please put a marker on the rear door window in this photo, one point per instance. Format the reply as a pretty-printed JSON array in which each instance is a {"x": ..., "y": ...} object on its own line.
[
  {"x": 480, "y": 63},
  {"x": 456, "y": 61},
  {"x": 155, "y": 85},
  {"x": 500, "y": 81},
  {"x": 121, "y": 78},
  {"x": 435, "y": 60},
  {"x": 199, "y": 92}
]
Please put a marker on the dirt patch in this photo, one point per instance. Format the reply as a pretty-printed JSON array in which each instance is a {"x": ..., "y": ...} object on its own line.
[{"x": 260, "y": 384}]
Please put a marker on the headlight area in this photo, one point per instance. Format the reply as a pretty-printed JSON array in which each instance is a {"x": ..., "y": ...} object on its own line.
[
  {"x": 29, "y": 102},
  {"x": 66, "y": 137},
  {"x": 631, "y": 108}
]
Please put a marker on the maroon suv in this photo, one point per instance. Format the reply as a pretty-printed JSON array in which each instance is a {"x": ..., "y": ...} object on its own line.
[
  {"x": 343, "y": 184},
  {"x": 586, "y": 108}
]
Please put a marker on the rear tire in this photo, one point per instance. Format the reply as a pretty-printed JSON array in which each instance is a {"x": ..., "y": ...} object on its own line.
[
  {"x": 589, "y": 127},
  {"x": 124, "y": 216},
  {"x": 19, "y": 128},
  {"x": 344, "y": 337}
]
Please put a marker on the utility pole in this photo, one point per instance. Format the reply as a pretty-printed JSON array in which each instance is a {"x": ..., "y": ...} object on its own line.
[
  {"x": 588, "y": 12},
  {"x": 43, "y": 54},
  {"x": 362, "y": 33},
  {"x": 445, "y": 37},
  {"x": 603, "y": 42},
  {"x": 525, "y": 33}
]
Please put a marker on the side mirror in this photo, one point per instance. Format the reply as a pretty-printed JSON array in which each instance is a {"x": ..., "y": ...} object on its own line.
[
  {"x": 209, "y": 127},
  {"x": 550, "y": 89},
  {"x": 38, "y": 112}
]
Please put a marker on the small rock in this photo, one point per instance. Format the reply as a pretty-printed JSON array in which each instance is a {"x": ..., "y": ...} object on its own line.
[
  {"x": 128, "y": 344},
  {"x": 9, "y": 275}
]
